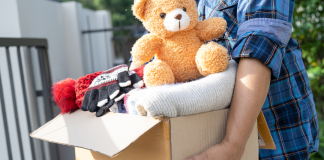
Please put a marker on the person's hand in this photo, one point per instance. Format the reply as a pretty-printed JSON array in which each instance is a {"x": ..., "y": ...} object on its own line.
[
  {"x": 110, "y": 87},
  {"x": 222, "y": 151}
]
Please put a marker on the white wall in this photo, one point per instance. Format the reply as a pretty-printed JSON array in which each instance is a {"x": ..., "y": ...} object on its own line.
[
  {"x": 44, "y": 19},
  {"x": 69, "y": 54},
  {"x": 61, "y": 24},
  {"x": 96, "y": 48},
  {"x": 73, "y": 38},
  {"x": 97, "y": 44}
]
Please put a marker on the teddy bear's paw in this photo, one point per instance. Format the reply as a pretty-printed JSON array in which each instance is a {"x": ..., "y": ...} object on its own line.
[
  {"x": 212, "y": 58},
  {"x": 158, "y": 73},
  {"x": 141, "y": 111}
]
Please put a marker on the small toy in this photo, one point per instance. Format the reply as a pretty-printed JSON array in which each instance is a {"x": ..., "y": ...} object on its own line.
[{"x": 177, "y": 40}]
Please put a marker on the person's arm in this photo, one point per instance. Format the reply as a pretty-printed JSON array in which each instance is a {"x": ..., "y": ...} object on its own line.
[
  {"x": 134, "y": 66},
  {"x": 262, "y": 37},
  {"x": 250, "y": 91}
]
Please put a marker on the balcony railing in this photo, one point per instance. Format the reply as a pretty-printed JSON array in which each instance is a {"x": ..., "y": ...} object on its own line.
[
  {"x": 30, "y": 94},
  {"x": 123, "y": 43}
]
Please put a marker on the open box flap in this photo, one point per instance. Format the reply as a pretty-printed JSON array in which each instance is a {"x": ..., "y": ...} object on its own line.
[{"x": 109, "y": 134}]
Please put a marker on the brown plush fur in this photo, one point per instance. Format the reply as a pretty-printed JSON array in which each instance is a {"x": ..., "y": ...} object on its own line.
[
  {"x": 158, "y": 73},
  {"x": 182, "y": 55}
]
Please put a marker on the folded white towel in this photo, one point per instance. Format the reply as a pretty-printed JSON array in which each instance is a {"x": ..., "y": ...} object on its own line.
[{"x": 210, "y": 93}]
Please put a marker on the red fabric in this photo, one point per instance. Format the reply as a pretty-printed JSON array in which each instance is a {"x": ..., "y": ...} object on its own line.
[
  {"x": 82, "y": 85},
  {"x": 64, "y": 95},
  {"x": 140, "y": 71},
  {"x": 84, "y": 82},
  {"x": 69, "y": 93}
]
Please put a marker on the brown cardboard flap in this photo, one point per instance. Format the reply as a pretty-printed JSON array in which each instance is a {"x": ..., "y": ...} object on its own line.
[
  {"x": 152, "y": 145},
  {"x": 109, "y": 134},
  {"x": 191, "y": 135},
  {"x": 264, "y": 137},
  {"x": 166, "y": 135}
]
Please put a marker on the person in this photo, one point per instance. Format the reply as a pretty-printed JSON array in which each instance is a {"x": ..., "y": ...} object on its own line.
[{"x": 271, "y": 77}]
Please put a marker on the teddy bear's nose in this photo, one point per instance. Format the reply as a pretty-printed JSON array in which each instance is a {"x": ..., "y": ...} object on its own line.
[{"x": 178, "y": 17}]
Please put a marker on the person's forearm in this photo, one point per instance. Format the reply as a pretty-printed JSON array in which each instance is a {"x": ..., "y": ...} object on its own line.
[
  {"x": 250, "y": 91},
  {"x": 134, "y": 66}
]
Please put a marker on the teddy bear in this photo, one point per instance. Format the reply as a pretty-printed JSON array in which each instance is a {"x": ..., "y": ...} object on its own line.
[{"x": 177, "y": 42}]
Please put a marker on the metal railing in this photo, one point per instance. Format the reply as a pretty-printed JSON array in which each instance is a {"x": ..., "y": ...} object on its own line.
[
  {"x": 27, "y": 73},
  {"x": 124, "y": 40}
]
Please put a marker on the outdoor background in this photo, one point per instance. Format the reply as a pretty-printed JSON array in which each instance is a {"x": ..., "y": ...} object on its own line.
[
  {"x": 86, "y": 36},
  {"x": 308, "y": 31}
]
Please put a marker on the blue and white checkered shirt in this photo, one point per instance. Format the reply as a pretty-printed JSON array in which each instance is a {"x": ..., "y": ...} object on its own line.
[{"x": 262, "y": 29}]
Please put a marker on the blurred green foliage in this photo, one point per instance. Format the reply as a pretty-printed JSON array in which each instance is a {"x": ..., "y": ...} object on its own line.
[
  {"x": 308, "y": 31},
  {"x": 120, "y": 10},
  {"x": 320, "y": 154}
]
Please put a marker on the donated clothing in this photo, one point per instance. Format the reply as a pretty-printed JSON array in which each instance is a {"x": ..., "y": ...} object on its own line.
[
  {"x": 206, "y": 94},
  {"x": 121, "y": 107},
  {"x": 262, "y": 29}
]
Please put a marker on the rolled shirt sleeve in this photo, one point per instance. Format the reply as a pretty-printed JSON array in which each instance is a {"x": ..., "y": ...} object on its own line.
[
  {"x": 254, "y": 45},
  {"x": 264, "y": 31},
  {"x": 131, "y": 59}
]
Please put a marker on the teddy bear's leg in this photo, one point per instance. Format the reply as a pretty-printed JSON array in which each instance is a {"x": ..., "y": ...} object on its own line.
[
  {"x": 212, "y": 58},
  {"x": 158, "y": 73}
]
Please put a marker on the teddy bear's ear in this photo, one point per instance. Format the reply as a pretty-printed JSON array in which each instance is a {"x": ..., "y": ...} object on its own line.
[{"x": 139, "y": 9}]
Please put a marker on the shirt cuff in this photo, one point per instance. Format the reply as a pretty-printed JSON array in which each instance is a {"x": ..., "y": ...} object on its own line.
[
  {"x": 261, "y": 48},
  {"x": 131, "y": 59},
  {"x": 277, "y": 29}
]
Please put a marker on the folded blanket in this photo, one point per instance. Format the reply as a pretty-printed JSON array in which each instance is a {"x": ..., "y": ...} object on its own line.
[
  {"x": 210, "y": 93},
  {"x": 133, "y": 96}
]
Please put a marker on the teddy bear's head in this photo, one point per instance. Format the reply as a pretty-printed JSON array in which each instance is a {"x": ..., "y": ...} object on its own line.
[{"x": 163, "y": 18}]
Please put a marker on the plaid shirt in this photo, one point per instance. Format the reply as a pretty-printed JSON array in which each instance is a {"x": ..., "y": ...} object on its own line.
[{"x": 261, "y": 29}]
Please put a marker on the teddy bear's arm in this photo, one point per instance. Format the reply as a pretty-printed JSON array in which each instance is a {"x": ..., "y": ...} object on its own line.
[
  {"x": 145, "y": 48},
  {"x": 211, "y": 28}
]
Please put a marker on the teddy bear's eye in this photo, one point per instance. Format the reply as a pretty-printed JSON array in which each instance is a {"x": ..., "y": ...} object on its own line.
[
  {"x": 184, "y": 9},
  {"x": 162, "y": 15}
]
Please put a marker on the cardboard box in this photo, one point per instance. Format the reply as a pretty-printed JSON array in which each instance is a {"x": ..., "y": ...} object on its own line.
[{"x": 125, "y": 137}]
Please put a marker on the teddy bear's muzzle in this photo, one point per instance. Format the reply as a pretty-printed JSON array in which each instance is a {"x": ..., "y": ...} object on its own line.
[
  {"x": 176, "y": 20},
  {"x": 178, "y": 17}
]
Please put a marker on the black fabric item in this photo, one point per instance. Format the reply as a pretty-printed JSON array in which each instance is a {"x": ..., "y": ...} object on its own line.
[
  {"x": 92, "y": 106},
  {"x": 103, "y": 92},
  {"x": 121, "y": 107},
  {"x": 110, "y": 81},
  {"x": 119, "y": 99},
  {"x": 135, "y": 79},
  {"x": 108, "y": 88},
  {"x": 104, "y": 87},
  {"x": 111, "y": 91},
  {"x": 123, "y": 79},
  {"x": 85, "y": 102},
  {"x": 102, "y": 110}
]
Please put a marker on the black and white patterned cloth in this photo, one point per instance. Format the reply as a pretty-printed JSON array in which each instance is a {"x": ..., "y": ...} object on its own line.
[{"x": 109, "y": 87}]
